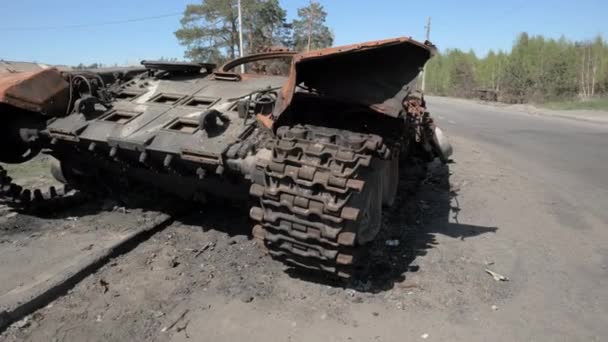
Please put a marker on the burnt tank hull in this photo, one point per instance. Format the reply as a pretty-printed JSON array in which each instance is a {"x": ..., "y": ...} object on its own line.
[{"x": 317, "y": 150}]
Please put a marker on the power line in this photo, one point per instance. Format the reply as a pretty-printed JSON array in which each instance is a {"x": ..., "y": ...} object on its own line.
[{"x": 105, "y": 23}]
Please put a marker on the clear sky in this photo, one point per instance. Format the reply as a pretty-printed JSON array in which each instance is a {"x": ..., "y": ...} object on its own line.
[{"x": 35, "y": 30}]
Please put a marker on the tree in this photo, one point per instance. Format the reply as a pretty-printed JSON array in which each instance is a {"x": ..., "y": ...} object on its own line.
[
  {"x": 210, "y": 29},
  {"x": 461, "y": 75},
  {"x": 590, "y": 66},
  {"x": 310, "y": 31},
  {"x": 537, "y": 69},
  {"x": 266, "y": 25}
]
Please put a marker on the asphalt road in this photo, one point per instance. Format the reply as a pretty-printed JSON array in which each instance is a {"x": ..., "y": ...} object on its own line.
[
  {"x": 554, "y": 217},
  {"x": 570, "y": 156}
]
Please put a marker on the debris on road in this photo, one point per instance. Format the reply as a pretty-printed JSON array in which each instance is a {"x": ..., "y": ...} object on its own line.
[
  {"x": 247, "y": 298},
  {"x": 88, "y": 248},
  {"x": 173, "y": 263},
  {"x": 209, "y": 245},
  {"x": 170, "y": 326},
  {"x": 424, "y": 336},
  {"x": 104, "y": 285},
  {"x": 496, "y": 276}
]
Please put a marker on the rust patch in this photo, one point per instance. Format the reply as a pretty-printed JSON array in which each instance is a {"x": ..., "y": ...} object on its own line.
[
  {"x": 225, "y": 72},
  {"x": 42, "y": 91}
]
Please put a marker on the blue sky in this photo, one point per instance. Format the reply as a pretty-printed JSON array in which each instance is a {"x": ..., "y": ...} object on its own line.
[{"x": 30, "y": 30}]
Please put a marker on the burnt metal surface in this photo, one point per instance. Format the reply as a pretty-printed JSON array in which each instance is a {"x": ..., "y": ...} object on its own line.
[
  {"x": 377, "y": 74},
  {"x": 225, "y": 71},
  {"x": 43, "y": 91},
  {"x": 185, "y": 67},
  {"x": 318, "y": 150}
]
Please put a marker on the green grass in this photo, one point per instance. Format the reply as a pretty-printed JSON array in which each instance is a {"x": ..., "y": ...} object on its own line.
[{"x": 600, "y": 103}]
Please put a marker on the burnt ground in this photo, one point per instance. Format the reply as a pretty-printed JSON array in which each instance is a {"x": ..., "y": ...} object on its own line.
[
  {"x": 209, "y": 254},
  {"x": 202, "y": 278}
]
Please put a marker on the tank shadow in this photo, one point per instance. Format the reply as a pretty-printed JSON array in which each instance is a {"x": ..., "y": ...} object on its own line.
[
  {"x": 223, "y": 216},
  {"x": 425, "y": 207}
]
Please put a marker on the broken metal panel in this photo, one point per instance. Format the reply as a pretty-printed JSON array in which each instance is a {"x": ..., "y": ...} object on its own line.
[
  {"x": 376, "y": 74},
  {"x": 225, "y": 71},
  {"x": 41, "y": 91}
]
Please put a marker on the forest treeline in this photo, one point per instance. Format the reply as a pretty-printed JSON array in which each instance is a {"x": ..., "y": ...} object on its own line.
[{"x": 537, "y": 69}]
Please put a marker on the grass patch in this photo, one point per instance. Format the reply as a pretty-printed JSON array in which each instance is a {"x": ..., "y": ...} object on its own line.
[{"x": 600, "y": 103}]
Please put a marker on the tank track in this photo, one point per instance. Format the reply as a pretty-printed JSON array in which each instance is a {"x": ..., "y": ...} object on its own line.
[
  {"x": 310, "y": 206},
  {"x": 36, "y": 200}
]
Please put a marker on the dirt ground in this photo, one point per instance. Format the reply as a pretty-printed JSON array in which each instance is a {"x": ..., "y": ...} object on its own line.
[
  {"x": 204, "y": 279},
  {"x": 205, "y": 265}
]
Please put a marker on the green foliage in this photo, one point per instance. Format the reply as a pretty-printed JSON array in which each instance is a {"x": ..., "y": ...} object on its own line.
[
  {"x": 265, "y": 25},
  {"x": 536, "y": 69},
  {"x": 210, "y": 29},
  {"x": 310, "y": 31}
]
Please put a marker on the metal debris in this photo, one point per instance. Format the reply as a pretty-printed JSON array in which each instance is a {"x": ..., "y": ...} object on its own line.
[
  {"x": 496, "y": 276},
  {"x": 167, "y": 328},
  {"x": 209, "y": 245}
]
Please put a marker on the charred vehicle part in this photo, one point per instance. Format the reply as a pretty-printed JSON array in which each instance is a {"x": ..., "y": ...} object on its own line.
[{"x": 318, "y": 151}]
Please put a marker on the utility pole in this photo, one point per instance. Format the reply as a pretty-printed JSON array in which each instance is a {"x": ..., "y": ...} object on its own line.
[
  {"x": 241, "y": 36},
  {"x": 428, "y": 37}
]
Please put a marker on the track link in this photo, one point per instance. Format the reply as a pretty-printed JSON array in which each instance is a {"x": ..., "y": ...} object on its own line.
[{"x": 310, "y": 206}]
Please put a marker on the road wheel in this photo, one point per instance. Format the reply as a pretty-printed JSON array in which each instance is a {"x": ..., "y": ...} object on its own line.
[{"x": 371, "y": 220}]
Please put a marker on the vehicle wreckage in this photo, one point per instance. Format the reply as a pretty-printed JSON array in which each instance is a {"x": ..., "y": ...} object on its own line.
[{"x": 318, "y": 150}]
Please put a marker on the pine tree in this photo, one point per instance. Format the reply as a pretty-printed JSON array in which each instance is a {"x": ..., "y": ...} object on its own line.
[
  {"x": 210, "y": 29},
  {"x": 309, "y": 30}
]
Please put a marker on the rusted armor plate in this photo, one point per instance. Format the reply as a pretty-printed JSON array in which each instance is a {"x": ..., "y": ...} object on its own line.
[
  {"x": 377, "y": 74},
  {"x": 42, "y": 91}
]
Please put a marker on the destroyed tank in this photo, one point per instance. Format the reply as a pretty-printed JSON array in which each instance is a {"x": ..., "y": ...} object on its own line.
[{"x": 317, "y": 151}]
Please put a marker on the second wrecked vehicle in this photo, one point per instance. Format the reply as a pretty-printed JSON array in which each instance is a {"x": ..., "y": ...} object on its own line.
[{"x": 318, "y": 150}]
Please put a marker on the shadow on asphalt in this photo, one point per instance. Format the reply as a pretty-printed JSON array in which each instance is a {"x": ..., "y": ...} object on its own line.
[{"x": 422, "y": 210}]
